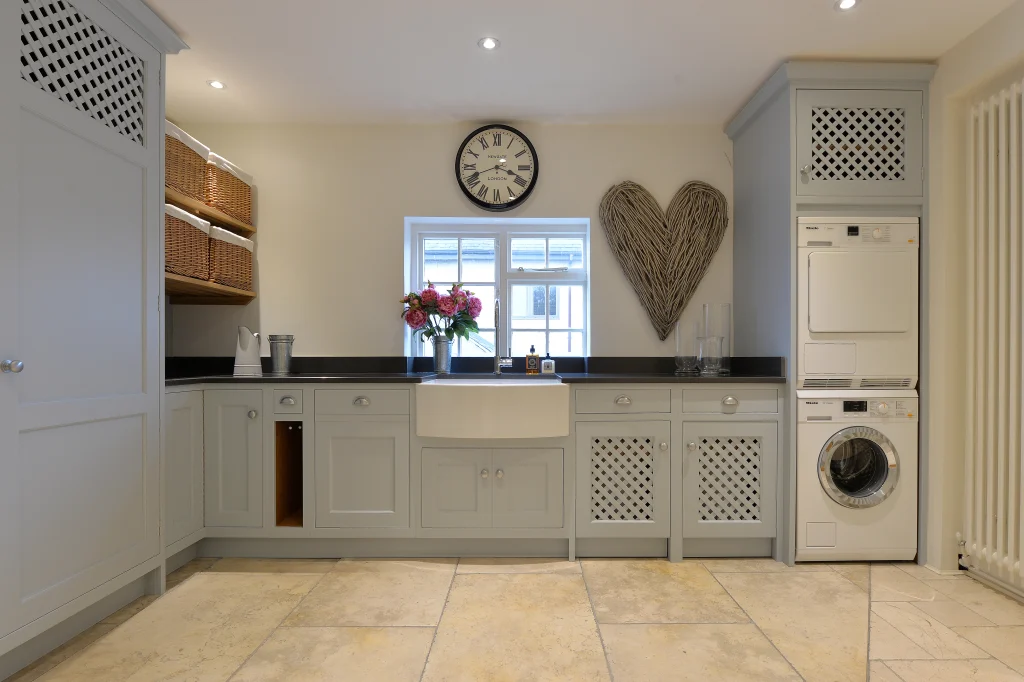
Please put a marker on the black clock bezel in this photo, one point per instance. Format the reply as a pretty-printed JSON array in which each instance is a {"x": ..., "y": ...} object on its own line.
[{"x": 486, "y": 205}]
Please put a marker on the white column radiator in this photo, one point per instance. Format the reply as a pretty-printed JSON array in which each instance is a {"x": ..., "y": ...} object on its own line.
[{"x": 994, "y": 534}]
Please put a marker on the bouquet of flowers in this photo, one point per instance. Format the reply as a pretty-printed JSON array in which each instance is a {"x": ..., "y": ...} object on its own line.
[{"x": 434, "y": 314}]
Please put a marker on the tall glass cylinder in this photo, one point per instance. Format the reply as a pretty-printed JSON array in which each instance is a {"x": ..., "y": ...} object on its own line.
[
  {"x": 717, "y": 321},
  {"x": 687, "y": 334}
]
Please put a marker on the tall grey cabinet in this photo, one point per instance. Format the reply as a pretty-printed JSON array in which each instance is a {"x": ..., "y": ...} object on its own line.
[{"x": 817, "y": 139}]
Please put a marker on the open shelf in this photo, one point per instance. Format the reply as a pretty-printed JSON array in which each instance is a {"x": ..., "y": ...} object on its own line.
[
  {"x": 288, "y": 473},
  {"x": 199, "y": 292},
  {"x": 213, "y": 215}
]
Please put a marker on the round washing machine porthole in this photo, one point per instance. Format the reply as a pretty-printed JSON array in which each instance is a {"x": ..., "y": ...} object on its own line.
[{"x": 858, "y": 467}]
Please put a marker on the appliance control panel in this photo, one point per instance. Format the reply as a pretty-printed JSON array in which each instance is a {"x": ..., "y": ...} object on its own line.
[
  {"x": 841, "y": 409},
  {"x": 856, "y": 233}
]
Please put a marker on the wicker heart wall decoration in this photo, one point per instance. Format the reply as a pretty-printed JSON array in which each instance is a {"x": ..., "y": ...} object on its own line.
[{"x": 664, "y": 255}]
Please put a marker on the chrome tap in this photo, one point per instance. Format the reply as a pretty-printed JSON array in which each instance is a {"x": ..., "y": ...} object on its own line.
[{"x": 499, "y": 361}]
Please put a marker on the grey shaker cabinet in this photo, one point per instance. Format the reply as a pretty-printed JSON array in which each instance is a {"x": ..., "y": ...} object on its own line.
[
  {"x": 527, "y": 488},
  {"x": 729, "y": 479},
  {"x": 183, "y": 465},
  {"x": 233, "y": 438},
  {"x": 623, "y": 479},
  {"x": 362, "y": 474},
  {"x": 456, "y": 490}
]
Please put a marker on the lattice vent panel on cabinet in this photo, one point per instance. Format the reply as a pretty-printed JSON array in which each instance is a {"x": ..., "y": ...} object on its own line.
[
  {"x": 67, "y": 55},
  {"x": 851, "y": 144},
  {"x": 622, "y": 479},
  {"x": 729, "y": 484}
]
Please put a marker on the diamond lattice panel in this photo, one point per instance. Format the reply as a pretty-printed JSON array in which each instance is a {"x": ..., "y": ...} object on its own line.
[
  {"x": 850, "y": 144},
  {"x": 729, "y": 487},
  {"x": 70, "y": 57},
  {"x": 622, "y": 479}
]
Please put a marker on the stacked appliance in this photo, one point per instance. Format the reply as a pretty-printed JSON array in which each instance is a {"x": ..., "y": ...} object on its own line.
[{"x": 857, "y": 371}]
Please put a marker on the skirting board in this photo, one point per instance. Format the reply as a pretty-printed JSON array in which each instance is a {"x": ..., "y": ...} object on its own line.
[{"x": 725, "y": 548}]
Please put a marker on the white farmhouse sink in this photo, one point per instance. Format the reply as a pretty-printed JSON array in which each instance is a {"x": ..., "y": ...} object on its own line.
[{"x": 492, "y": 408}]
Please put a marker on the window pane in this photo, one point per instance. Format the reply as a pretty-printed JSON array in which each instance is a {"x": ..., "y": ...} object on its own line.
[
  {"x": 566, "y": 343},
  {"x": 565, "y": 253},
  {"x": 528, "y": 253},
  {"x": 566, "y": 307},
  {"x": 441, "y": 260},
  {"x": 478, "y": 345},
  {"x": 478, "y": 260},
  {"x": 521, "y": 343},
  {"x": 528, "y": 306}
]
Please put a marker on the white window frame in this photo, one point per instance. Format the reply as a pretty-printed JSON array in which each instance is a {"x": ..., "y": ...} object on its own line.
[{"x": 502, "y": 230}]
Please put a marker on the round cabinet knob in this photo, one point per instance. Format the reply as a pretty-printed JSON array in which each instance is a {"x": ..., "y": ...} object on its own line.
[
  {"x": 12, "y": 366},
  {"x": 882, "y": 408},
  {"x": 484, "y": 473},
  {"x": 877, "y": 233},
  {"x": 499, "y": 473},
  {"x": 663, "y": 446},
  {"x": 691, "y": 446},
  {"x": 730, "y": 401},
  {"x": 253, "y": 414},
  {"x": 806, "y": 170}
]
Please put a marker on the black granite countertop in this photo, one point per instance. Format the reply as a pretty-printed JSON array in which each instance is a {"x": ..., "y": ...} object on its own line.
[{"x": 314, "y": 378}]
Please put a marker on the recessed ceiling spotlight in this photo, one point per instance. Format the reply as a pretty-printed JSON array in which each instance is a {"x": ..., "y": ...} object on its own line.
[
  {"x": 844, "y": 5},
  {"x": 490, "y": 43},
  {"x": 216, "y": 85}
]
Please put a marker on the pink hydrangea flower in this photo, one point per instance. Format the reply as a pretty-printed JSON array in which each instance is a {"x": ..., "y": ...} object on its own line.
[
  {"x": 428, "y": 296},
  {"x": 475, "y": 307},
  {"x": 447, "y": 306},
  {"x": 416, "y": 318},
  {"x": 461, "y": 300}
]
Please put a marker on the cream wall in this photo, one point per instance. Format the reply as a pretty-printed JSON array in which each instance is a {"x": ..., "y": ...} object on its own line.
[
  {"x": 994, "y": 49},
  {"x": 331, "y": 205}
]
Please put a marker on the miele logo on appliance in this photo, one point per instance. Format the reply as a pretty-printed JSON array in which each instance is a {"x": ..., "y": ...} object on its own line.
[{"x": 812, "y": 227}]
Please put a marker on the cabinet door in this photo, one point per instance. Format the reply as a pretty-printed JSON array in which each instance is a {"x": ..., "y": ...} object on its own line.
[
  {"x": 729, "y": 480},
  {"x": 233, "y": 436},
  {"x": 622, "y": 479},
  {"x": 456, "y": 488},
  {"x": 362, "y": 475},
  {"x": 860, "y": 143},
  {"x": 527, "y": 488},
  {"x": 183, "y": 465}
]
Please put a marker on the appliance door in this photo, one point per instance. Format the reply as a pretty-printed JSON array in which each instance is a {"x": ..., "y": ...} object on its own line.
[
  {"x": 858, "y": 467},
  {"x": 861, "y": 291}
]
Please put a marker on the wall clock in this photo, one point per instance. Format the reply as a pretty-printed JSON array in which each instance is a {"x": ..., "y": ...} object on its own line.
[{"x": 496, "y": 167}]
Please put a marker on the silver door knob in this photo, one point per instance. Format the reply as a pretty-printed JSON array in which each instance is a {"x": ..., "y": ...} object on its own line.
[
  {"x": 361, "y": 401},
  {"x": 484, "y": 473},
  {"x": 806, "y": 170},
  {"x": 730, "y": 401},
  {"x": 663, "y": 446},
  {"x": 691, "y": 446},
  {"x": 499, "y": 473},
  {"x": 253, "y": 414},
  {"x": 287, "y": 400},
  {"x": 12, "y": 366},
  {"x": 623, "y": 400}
]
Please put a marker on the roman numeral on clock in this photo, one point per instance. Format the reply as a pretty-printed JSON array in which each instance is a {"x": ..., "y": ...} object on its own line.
[
  {"x": 525, "y": 167},
  {"x": 470, "y": 151},
  {"x": 497, "y": 139},
  {"x": 482, "y": 192},
  {"x": 470, "y": 167},
  {"x": 520, "y": 181},
  {"x": 483, "y": 141},
  {"x": 511, "y": 194},
  {"x": 472, "y": 180},
  {"x": 497, "y": 197},
  {"x": 520, "y": 153}
]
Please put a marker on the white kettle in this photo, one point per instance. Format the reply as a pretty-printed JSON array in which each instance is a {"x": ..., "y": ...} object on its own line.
[{"x": 247, "y": 354}]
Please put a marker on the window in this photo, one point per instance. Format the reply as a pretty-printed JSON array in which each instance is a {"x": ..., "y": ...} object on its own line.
[{"x": 539, "y": 270}]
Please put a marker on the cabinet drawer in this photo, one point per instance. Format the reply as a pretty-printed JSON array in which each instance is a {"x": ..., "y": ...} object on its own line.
[
  {"x": 726, "y": 401},
  {"x": 623, "y": 401},
  {"x": 288, "y": 402},
  {"x": 349, "y": 402}
]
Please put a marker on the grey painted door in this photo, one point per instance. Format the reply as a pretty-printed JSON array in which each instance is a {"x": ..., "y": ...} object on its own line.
[
  {"x": 183, "y": 465},
  {"x": 729, "y": 479},
  {"x": 362, "y": 474},
  {"x": 233, "y": 439},
  {"x": 456, "y": 488},
  {"x": 859, "y": 143},
  {"x": 622, "y": 479},
  {"x": 528, "y": 491}
]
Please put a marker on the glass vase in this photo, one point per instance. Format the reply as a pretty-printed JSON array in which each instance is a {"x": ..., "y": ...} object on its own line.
[
  {"x": 442, "y": 355},
  {"x": 717, "y": 321}
]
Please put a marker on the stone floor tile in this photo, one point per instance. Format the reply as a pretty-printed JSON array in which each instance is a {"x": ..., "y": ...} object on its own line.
[
  {"x": 880, "y": 672},
  {"x": 1005, "y": 643},
  {"x": 693, "y": 653},
  {"x": 175, "y": 578},
  {"x": 982, "y": 599},
  {"x": 920, "y": 572},
  {"x": 126, "y": 612},
  {"x": 888, "y": 643},
  {"x": 501, "y": 565},
  {"x": 952, "y": 613},
  {"x": 339, "y": 655},
  {"x": 758, "y": 566},
  {"x": 657, "y": 591},
  {"x": 64, "y": 652},
  {"x": 889, "y": 583},
  {"x": 819, "y": 621},
  {"x": 232, "y": 565},
  {"x": 378, "y": 593},
  {"x": 985, "y": 670},
  {"x": 924, "y": 631},
  {"x": 517, "y": 627},
  {"x": 857, "y": 573},
  {"x": 201, "y": 632}
]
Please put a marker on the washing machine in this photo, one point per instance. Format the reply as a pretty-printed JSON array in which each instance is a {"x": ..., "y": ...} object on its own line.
[
  {"x": 857, "y": 459},
  {"x": 857, "y": 302}
]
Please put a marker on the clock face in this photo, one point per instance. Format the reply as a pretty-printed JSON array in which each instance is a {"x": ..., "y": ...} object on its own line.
[{"x": 496, "y": 167}]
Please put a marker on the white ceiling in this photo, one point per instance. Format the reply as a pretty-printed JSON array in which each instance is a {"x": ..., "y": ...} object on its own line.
[{"x": 682, "y": 61}]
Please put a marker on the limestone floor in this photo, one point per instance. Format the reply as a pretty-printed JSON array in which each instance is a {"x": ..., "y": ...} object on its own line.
[{"x": 441, "y": 620}]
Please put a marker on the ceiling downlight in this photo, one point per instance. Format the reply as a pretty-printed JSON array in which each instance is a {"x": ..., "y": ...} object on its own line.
[
  {"x": 489, "y": 43},
  {"x": 845, "y": 5}
]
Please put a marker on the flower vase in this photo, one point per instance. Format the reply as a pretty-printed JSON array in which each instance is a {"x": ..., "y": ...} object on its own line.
[{"x": 442, "y": 355}]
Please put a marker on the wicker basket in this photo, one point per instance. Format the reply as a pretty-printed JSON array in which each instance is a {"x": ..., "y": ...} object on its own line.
[
  {"x": 186, "y": 244},
  {"x": 230, "y": 259},
  {"x": 229, "y": 188},
  {"x": 185, "y": 163}
]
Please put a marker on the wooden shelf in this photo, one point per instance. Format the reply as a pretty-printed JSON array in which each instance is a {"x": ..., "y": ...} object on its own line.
[
  {"x": 218, "y": 218},
  {"x": 197, "y": 292}
]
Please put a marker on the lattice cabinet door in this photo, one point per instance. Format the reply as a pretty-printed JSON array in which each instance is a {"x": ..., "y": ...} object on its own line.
[
  {"x": 866, "y": 143},
  {"x": 623, "y": 479},
  {"x": 729, "y": 479}
]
